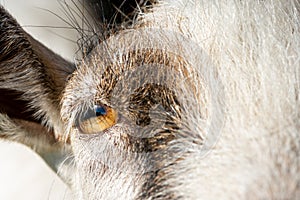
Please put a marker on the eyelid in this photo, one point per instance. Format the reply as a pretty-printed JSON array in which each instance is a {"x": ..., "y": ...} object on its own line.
[{"x": 103, "y": 118}]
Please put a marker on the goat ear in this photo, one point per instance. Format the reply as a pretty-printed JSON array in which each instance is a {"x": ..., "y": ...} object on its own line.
[{"x": 32, "y": 79}]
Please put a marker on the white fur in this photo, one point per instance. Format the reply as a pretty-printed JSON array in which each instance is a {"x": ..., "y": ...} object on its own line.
[
  {"x": 254, "y": 50},
  {"x": 254, "y": 46}
]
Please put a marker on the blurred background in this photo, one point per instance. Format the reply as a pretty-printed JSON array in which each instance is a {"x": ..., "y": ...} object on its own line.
[{"x": 23, "y": 174}]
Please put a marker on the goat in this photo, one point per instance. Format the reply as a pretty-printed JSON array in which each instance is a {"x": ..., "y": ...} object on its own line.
[{"x": 169, "y": 99}]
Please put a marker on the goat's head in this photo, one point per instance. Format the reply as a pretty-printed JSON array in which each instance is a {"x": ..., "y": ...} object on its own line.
[{"x": 136, "y": 115}]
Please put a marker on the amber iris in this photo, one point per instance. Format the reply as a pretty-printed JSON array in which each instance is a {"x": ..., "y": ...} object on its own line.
[{"x": 103, "y": 118}]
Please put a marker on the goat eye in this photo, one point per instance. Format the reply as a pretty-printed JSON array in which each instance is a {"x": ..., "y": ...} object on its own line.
[{"x": 97, "y": 120}]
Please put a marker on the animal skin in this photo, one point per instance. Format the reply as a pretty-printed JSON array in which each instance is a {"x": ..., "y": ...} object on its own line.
[{"x": 185, "y": 99}]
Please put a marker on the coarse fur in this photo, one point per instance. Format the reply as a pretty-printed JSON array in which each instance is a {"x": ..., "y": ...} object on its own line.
[{"x": 207, "y": 95}]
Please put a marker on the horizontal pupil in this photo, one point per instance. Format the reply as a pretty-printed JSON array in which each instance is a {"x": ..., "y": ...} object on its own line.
[{"x": 100, "y": 110}]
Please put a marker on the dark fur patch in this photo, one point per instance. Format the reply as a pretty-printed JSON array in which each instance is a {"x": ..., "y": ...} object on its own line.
[
  {"x": 11, "y": 104},
  {"x": 112, "y": 13},
  {"x": 103, "y": 18}
]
